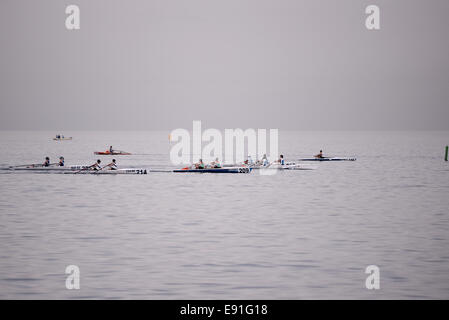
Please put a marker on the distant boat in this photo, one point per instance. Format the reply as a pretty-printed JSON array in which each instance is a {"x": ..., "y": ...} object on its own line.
[
  {"x": 113, "y": 153},
  {"x": 61, "y": 138}
]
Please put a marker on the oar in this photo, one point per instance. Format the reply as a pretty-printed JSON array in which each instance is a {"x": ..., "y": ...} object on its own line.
[
  {"x": 102, "y": 168},
  {"x": 122, "y": 152},
  {"x": 53, "y": 164},
  {"x": 26, "y": 165},
  {"x": 98, "y": 170},
  {"x": 34, "y": 165},
  {"x": 87, "y": 168}
]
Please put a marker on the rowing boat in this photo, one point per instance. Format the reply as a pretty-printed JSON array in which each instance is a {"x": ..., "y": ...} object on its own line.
[
  {"x": 114, "y": 153},
  {"x": 287, "y": 166},
  {"x": 77, "y": 170},
  {"x": 113, "y": 172},
  {"x": 328, "y": 159},
  {"x": 276, "y": 166},
  {"x": 217, "y": 170},
  {"x": 62, "y": 139}
]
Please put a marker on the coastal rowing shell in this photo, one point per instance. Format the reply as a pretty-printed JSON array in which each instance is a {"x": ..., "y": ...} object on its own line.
[
  {"x": 287, "y": 166},
  {"x": 277, "y": 166},
  {"x": 78, "y": 170},
  {"x": 113, "y": 172},
  {"x": 216, "y": 170},
  {"x": 49, "y": 169},
  {"x": 328, "y": 159}
]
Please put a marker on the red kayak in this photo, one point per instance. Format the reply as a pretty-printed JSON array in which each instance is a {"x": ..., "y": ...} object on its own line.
[{"x": 113, "y": 153}]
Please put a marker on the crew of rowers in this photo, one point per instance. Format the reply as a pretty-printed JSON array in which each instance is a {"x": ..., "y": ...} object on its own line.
[
  {"x": 249, "y": 162},
  {"x": 48, "y": 164},
  {"x": 96, "y": 166},
  {"x": 214, "y": 164},
  {"x": 264, "y": 161}
]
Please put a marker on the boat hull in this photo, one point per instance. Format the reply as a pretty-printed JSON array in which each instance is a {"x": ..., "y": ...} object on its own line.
[
  {"x": 215, "y": 170},
  {"x": 287, "y": 166},
  {"x": 49, "y": 169},
  {"x": 109, "y": 172},
  {"x": 328, "y": 159},
  {"x": 77, "y": 170}
]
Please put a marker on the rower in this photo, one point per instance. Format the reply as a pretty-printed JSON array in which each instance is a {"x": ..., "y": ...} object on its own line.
[
  {"x": 265, "y": 160},
  {"x": 281, "y": 159},
  {"x": 96, "y": 166},
  {"x": 319, "y": 155},
  {"x": 199, "y": 165},
  {"x": 112, "y": 165},
  {"x": 47, "y": 162},
  {"x": 61, "y": 162},
  {"x": 250, "y": 160},
  {"x": 215, "y": 164},
  {"x": 110, "y": 149}
]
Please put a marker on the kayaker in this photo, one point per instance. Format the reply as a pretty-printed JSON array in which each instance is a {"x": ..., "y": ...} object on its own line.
[
  {"x": 215, "y": 164},
  {"x": 96, "y": 166},
  {"x": 111, "y": 166},
  {"x": 199, "y": 165},
  {"x": 61, "y": 162},
  {"x": 319, "y": 155},
  {"x": 46, "y": 162}
]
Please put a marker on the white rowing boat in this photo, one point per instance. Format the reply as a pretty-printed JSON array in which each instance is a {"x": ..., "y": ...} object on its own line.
[
  {"x": 76, "y": 170},
  {"x": 328, "y": 159},
  {"x": 47, "y": 169},
  {"x": 277, "y": 166},
  {"x": 113, "y": 172},
  {"x": 286, "y": 166}
]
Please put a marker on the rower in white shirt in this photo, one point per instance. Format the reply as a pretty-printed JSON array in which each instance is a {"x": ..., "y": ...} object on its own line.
[
  {"x": 111, "y": 166},
  {"x": 96, "y": 166},
  {"x": 265, "y": 160}
]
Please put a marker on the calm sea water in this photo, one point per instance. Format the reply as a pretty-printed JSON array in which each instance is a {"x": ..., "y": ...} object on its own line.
[{"x": 293, "y": 235}]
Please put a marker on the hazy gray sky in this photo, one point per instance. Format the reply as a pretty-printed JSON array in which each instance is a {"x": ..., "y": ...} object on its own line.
[{"x": 287, "y": 64}]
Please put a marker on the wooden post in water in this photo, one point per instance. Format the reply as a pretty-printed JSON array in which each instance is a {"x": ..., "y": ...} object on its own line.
[{"x": 445, "y": 156}]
